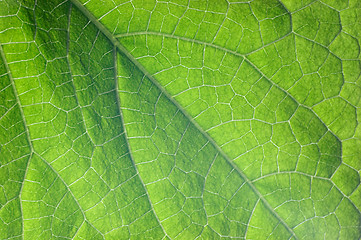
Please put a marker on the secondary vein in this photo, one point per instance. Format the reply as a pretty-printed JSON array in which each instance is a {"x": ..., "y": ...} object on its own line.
[
  {"x": 26, "y": 132},
  {"x": 124, "y": 51},
  {"x": 126, "y": 137}
]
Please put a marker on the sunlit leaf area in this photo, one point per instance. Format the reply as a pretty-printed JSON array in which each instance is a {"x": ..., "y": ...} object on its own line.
[{"x": 180, "y": 119}]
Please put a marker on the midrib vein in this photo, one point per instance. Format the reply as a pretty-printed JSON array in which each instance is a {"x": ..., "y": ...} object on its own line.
[{"x": 124, "y": 51}]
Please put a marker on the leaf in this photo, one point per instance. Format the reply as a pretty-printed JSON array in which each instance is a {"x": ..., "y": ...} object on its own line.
[{"x": 180, "y": 119}]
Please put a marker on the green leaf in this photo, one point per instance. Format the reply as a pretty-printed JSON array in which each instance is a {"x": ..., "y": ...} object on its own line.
[{"x": 180, "y": 119}]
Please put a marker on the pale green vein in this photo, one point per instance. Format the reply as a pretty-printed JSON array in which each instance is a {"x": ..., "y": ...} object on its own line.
[
  {"x": 199, "y": 41},
  {"x": 245, "y": 56},
  {"x": 69, "y": 190},
  {"x": 26, "y": 133},
  {"x": 122, "y": 49},
  {"x": 115, "y": 52},
  {"x": 31, "y": 146},
  {"x": 17, "y": 98},
  {"x": 71, "y": 74},
  {"x": 288, "y": 94}
]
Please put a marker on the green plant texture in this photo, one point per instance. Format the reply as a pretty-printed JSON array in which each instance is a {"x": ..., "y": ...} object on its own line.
[{"x": 180, "y": 119}]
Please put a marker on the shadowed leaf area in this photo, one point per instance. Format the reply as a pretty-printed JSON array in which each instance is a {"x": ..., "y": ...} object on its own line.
[{"x": 180, "y": 119}]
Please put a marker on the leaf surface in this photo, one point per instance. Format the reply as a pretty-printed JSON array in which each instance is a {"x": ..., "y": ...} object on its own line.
[{"x": 180, "y": 119}]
